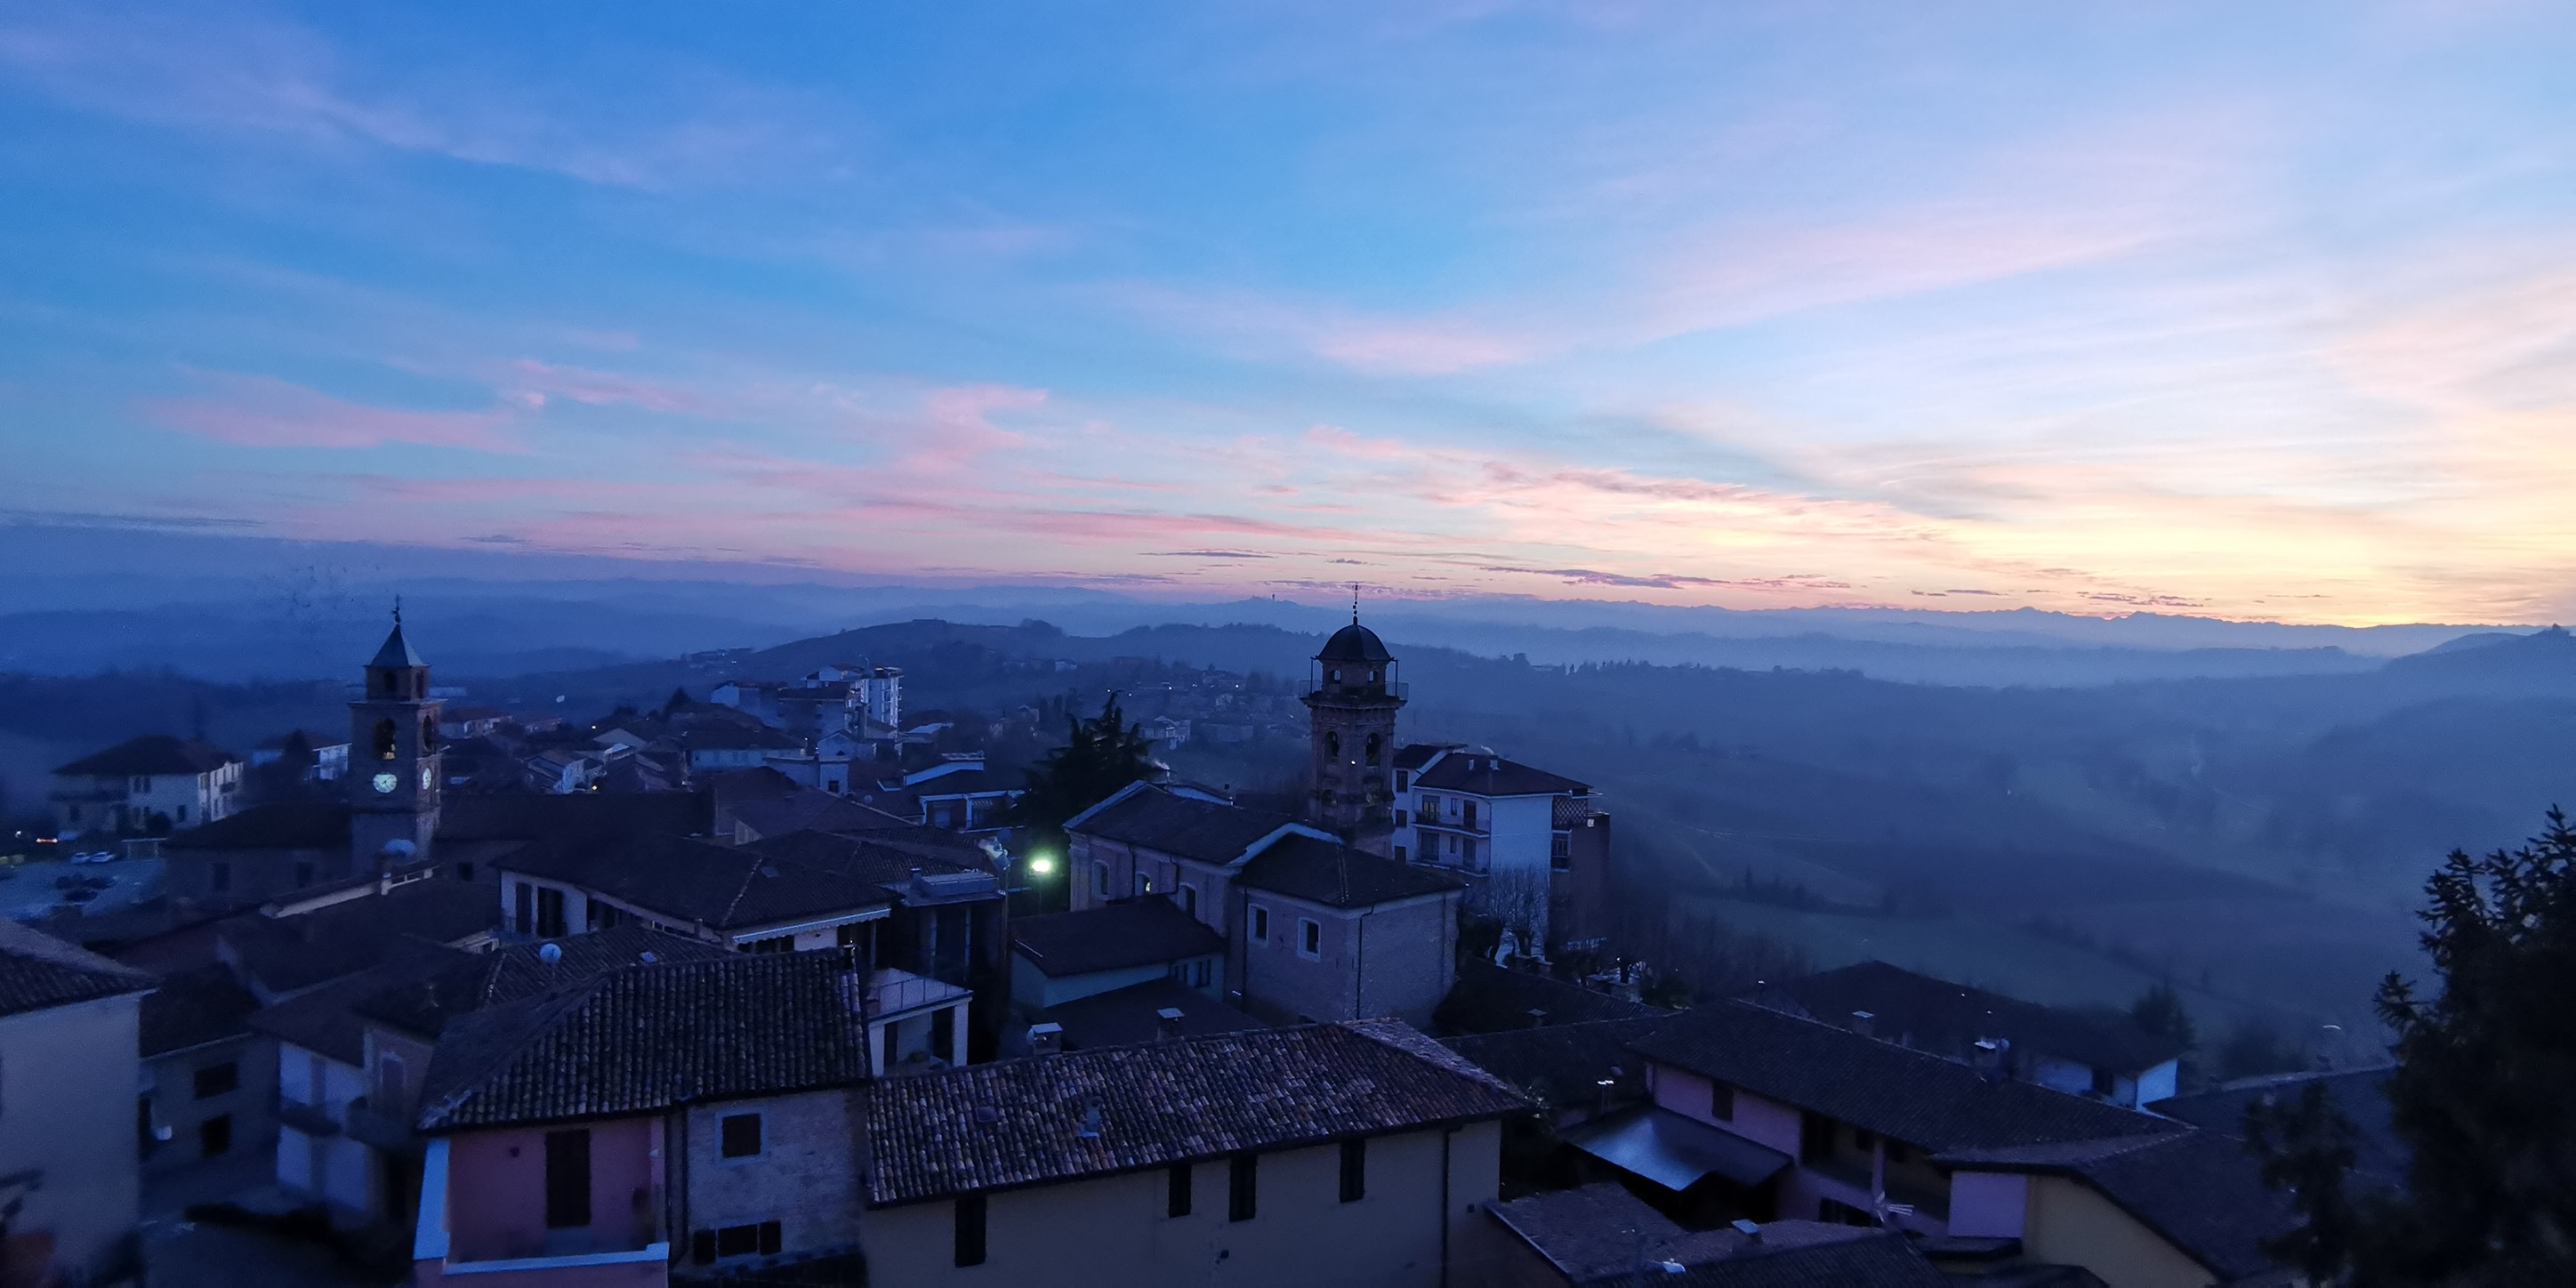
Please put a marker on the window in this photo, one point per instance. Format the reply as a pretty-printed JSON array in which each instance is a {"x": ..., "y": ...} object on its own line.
[
  {"x": 737, "y": 1241},
  {"x": 464, "y": 871},
  {"x": 1896, "y": 1152},
  {"x": 601, "y": 916},
  {"x": 1354, "y": 1170},
  {"x": 216, "y": 1079},
  {"x": 1840, "y": 1213},
  {"x": 1815, "y": 1137},
  {"x": 1403, "y": 780},
  {"x": 568, "y": 1179},
  {"x": 1560, "y": 851},
  {"x": 1332, "y": 746},
  {"x": 384, "y": 739},
  {"x": 1310, "y": 937},
  {"x": 1261, "y": 925},
  {"x": 550, "y": 913},
  {"x": 1190, "y": 899},
  {"x": 1144, "y": 884},
  {"x": 773, "y": 944},
  {"x": 943, "y": 1031},
  {"x": 1863, "y": 1138},
  {"x": 1242, "y": 1186},
  {"x": 1467, "y": 814},
  {"x": 1399, "y": 850},
  {"x": 740, "y": 1134},
  {"x": 389, "y": 1079},
  {"x": 1100, "y": 880},
  {"x": 2102, "y": 1085},
  {"x": 1176, "y": 1190},
  {"x": 215, "y": 1136},
  {"x": 1199, "y": 973},
  {"x": 970, "y": 1230},
  {"x": 523, "y": 907},
  {"x": 1721, "y": 1102},
  {"x": 1372, "y": 750}
]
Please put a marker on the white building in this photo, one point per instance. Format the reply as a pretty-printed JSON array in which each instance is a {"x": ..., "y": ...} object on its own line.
[
  {"x": 69, "y": 1074},
  {"x": 143, "y": 783},
  {"x": 1489, "y": 817}
]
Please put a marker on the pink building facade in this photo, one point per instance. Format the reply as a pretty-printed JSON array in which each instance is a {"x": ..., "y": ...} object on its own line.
[{"x": 570, "y": 1207}]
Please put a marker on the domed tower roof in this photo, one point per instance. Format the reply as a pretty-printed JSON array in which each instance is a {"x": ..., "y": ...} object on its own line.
[{"x": 1354, "y": 643}]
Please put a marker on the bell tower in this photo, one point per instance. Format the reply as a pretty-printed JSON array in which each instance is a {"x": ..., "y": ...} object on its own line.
[
  {"x": 1351, "y": 732},
  {"x": 394, "y": 775}
]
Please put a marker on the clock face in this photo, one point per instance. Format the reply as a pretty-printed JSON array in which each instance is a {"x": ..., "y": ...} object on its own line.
[
  {"x": 428, "y": 777},
  {"x": 386, "y": 783}
]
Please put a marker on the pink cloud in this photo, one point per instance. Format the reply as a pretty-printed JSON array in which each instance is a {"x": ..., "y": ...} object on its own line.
[
  {"x": 532, "y": 382},
  {"x": 261, "y": 411}
]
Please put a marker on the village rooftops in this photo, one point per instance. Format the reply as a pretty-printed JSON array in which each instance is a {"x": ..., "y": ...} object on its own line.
[
  {"x": 1482, "y": 773},
  {"x": 425, "y": 1007},
  {"x": 278, "y": 825},
  {"x": 1180, "y": 824},
  {"x": 38, "y": 971},
  {"x": 1906, "y": 1095},
  {"x": 1938, "y": 1016},
  {"x": 528, "y": 816},
  {"x": 1143, "y": 931},
  {"x": 281, "y": 955},
  {"x": 2198, "y": 1189},
  {"x": 1339, "y": 876},
  {"x": 685, "y": 880},
  {"x": 1053, "y": 1118},
  {"x": 1492, "y": 999},
  {"x": 326, "y": 1020},
  {"x": 1136, "y": 1013},
  {"x": 1566, "y": 1066},
  {"x": 642, "y": 1039},
  {"x": 192, "y": 1008},
  {"x": 155, "y": 753},
  {"x": 1602, "y": 1234}
]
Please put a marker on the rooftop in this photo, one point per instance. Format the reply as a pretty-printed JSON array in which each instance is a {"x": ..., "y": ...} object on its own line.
[
  {"x": 1354, "y": 643},
  {"x": 1144, "y": 931},
  {"x": 326, "y": 1020},
  {"x": 1938, "y": 1016},
  {"x": 38, "y": 971},
  {"x": 1492, "y": 999},
  {"x": 2379, "y": 1152},
  {"x": 640, "y": 1039},
  {"x": 1133, "y": 1014},
  {"x": 1602, "y": 1234},
  {"x": 1339, "y": 876},
  {"x": 1176, "y": 824},
  {"x": 153, "y": 753},
  {"x": 425, "y": 1007},
  {"x": 193, "y": 1008},
  {"x": 689, "y": 880},
  {"x": 1482, "y": 773},
  {"x": 1563, "y": 1066},
  {"x": 2199, "y": 1189},
  {"x": 279, "y": 825},
  {"x": 284, "y": 954},
  {"x": 1910, "y": 1096},
  {"x": 1024, "y": 1122}
]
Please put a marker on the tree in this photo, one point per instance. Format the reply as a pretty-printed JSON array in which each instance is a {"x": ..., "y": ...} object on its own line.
[
  {"x": 679, "y": 698},
  {"x": 2480, "y": 1093},
  {"x": 1099, "y": 756},
  {"x": 2308, "y": 1148},
  {"x": 2159, "y": 1011}
]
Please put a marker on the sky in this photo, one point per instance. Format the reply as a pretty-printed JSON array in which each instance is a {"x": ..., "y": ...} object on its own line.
[{"x": 2246, "y": 311}]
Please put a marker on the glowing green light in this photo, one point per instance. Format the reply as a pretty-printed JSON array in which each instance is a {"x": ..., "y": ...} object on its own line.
[{"x": 1042, "y": 865}]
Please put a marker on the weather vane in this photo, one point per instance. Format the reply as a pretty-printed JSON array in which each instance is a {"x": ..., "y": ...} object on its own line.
[{"x": 1355, "y": 603}]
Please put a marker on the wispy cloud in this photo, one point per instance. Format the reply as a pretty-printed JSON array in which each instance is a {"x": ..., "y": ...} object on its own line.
[{"x": 265, "y": 412}]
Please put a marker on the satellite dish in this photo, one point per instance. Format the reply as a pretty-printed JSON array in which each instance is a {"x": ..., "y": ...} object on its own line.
[
  {"x": 400, "y": 847},
  {"x": 550, "y": 954}
]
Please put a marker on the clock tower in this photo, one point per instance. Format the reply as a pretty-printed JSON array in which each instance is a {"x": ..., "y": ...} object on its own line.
[
  {"x": 394, "y": 775},
  {"x": 1351, "y": 726}
]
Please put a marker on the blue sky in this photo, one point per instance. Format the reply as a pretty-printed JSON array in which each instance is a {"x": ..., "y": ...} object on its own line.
[{"x": 2251, "y": 311}]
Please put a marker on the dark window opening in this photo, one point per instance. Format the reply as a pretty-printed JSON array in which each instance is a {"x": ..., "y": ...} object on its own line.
[
  {"x": 215, "y": 1136},
  {"x": 1721, "y": 1102},
  {"x": 216, "y": 1079},
  {"x": 385, "y": 739},
  {"x": 943, "y": 1031},
  {"x": 1372, "y": 750},
  {"x": 550, "y": 913},
  {"x": 523, "y": 905},
  {"x": 1176, "y": 1190},
  {"x": 970, "y": 1230},
  {"x": 1332, "y": 746},
  {"x": 464, "y": 871},
  {"x": 1354, "y": 1170},
  {"x": 702, "y": 1247},
  {"x": 1242, "y": 1186},
  {"x": 1815, "y": 1137},
  {"x": 219, "y": 877},
  {"x": 2102, "y": 1085},
  {"x": 741, "y": 1135},
  {"x": 567, "y": 1179},
  {"x": 747, "y": 1240}
]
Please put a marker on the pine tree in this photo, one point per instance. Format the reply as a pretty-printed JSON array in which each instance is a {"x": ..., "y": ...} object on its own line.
[
  {"x": 2159, "y": 1011},
  {"x": 1100, "y": 755}
]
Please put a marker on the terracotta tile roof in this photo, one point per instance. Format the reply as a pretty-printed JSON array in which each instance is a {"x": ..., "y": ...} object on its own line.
[
  {"x": 1127, "y": 1015},
  {"x": 153, "y": 753},
  {"x": 1144, "y": 931},
  {"x": 2198, "y": 1189},
  {"x": 326, "y": 1019},
  {"x": 1339, "y": 876},
  {"x": 193, "y": 1008},
  {"x": 1602, "y": 1234},
  {"x": 688, "y": 880},
  {"x": 1563, "y": 1065},
  {"x": 38, "y": 971},
  {"x": 1482, "y": 773},
  {"x": 1947, "y": 1019},
  {"x": 1184, "y": 826},
  {"x": 1021, "y": 1122},
  {"x": 285, "y": 954},
  {"x": 1490, "y": 999},
  {"x": 1910, "y": 1096},
  {"x": 641, "y": 1039},
  {"x": 425, "y": 1007}
]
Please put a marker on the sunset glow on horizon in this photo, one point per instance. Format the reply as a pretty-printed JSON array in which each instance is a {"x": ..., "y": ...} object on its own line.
[{"x": 2249, "y": 314}]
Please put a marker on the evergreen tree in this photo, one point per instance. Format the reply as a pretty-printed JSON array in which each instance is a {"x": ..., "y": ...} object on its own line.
[
  {"x": 2159, "y": 1011},
  {"x": 2308, "y": 1148},
  {"x": 2481, "y": 1093},
  {"x": 1100, "y": 755}
]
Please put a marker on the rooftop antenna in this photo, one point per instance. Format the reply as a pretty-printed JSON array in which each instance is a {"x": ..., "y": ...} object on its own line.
[
  {"x": 1355, "y": 603},
  {"x": 397, "y": 608}
]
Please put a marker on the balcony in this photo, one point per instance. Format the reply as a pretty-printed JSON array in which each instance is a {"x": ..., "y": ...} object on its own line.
[
  {"x": 312, "y": 1120},
  {"x": 644, "y": 1260},
  {"x": 369, "y": 1126},
  {"x": 1458, "y": 826}
]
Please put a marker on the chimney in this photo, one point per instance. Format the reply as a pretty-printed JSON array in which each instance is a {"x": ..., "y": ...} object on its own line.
[
  {"x": 1046, "y": 1039},
  {"x": 1538, "y": 1017},
  {"x": 1989, "y": 1057},
  {"x": 1167, "y": 1024},
  {"x": 1864, "y": 1024}
]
